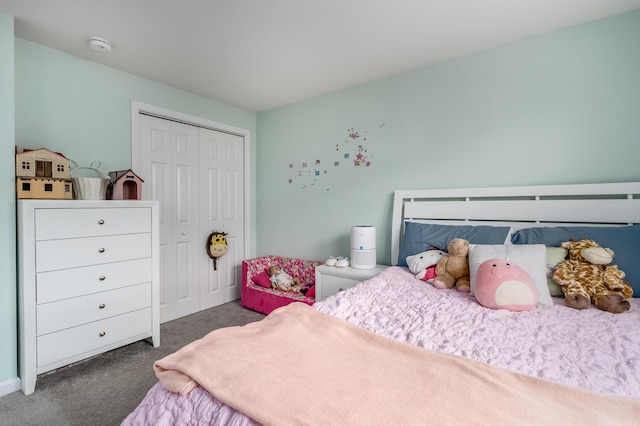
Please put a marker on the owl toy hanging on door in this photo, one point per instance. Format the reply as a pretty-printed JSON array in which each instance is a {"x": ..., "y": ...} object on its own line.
[{"x": 217, "y": 246}]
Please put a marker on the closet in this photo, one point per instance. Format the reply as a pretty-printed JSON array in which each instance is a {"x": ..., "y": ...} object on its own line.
[{"x": 197, "y": 176}]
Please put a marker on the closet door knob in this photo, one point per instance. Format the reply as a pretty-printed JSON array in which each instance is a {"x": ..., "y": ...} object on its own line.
[
  {"x": 102, "y": 306},
  {"x": 101, "y": 222},
  {"x": 102, "y": 278},
  {"x": 103, "y": 333},
  {"x": 101, "y": 250}
]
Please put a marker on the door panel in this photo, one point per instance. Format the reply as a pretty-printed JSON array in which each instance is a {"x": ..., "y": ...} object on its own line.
[
  {"x": 221, "y": 157},
  {"x": 169, "y": 151},
  {"x": 196, "y": 174}
]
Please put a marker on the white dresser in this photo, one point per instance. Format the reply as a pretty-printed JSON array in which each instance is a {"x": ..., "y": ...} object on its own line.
[{"x": 88, "y": 280}]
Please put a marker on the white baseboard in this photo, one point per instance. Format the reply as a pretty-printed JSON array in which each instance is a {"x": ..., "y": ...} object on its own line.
[{"x": 9, "y": 386}]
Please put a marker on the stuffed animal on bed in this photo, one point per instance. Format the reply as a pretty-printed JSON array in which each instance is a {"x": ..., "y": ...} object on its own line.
[
  {"x": 502, "y": 284},
  {"x": 280, "y": 280},
  {"x": 587, "y": 277},
  {"x": 453, "y": 269},
  {"x": 423, "y": 265}
]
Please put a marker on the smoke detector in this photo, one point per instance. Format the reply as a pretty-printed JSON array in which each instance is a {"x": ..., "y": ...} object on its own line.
[{"x": 99, "y": 43}]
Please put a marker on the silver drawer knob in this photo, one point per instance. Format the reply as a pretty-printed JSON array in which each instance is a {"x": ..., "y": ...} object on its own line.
[
  {"x": 102, "y": 278},
  {"x": 103, "y": 333},
  {"x": 102, "y": 306},
  {"x": 101, "y": 222},
  {"x": 101, "y": 250}
]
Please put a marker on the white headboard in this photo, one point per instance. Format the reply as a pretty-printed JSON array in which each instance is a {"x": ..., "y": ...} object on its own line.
[{"x": 517, "y": 206}]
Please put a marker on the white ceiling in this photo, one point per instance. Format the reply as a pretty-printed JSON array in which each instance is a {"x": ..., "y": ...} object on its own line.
[{"x": 261, "y": 54}]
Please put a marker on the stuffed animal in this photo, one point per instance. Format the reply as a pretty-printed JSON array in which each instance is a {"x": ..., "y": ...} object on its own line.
[
  {"x": 217, "y": 246},
  {"x": 280, "y": 280},
  {"x": 453, "y": 269},
  {"x": 587, "y": 277},
  {"x": 501, "y": 284},
  {"x": 423, "y": 265}
]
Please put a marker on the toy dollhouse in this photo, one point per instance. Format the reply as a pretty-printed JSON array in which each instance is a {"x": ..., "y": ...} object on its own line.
[
  {"x": 125, "y": 185},
  {"x": 41, "y": 173}
]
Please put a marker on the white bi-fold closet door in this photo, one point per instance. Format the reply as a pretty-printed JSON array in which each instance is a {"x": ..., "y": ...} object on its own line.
[{"x": 197, "y": 175}]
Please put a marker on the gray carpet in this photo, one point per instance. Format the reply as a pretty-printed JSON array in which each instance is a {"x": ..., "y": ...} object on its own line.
[{"x": 103, "y": 390}]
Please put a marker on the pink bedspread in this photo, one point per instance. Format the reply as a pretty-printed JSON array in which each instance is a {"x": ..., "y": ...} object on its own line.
[
  {"x": 361, "y": 378},
  {"x": 590, "y": 349}
]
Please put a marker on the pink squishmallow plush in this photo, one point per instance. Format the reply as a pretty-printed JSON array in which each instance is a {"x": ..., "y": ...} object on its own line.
[{"x": 501, "y": 284}]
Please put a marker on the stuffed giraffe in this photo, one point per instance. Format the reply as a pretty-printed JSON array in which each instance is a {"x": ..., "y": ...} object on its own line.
[{"x": 587, "y": 277}]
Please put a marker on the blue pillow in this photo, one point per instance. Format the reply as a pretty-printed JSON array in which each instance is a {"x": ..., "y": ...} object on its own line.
[
  {"x": 418, "y": 237},
  {"x": 623, "y": 240}
]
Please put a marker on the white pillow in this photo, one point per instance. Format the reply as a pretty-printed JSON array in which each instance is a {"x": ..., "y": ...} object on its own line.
[{"x": 530, "y": 257}]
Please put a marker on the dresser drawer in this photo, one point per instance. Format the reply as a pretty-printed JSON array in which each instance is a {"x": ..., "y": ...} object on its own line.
[
  {"x": 331, "y": 280},
  {"x": 71, "y": 342},
  {"x": 93, "y": 307},
  {"x": 332, "y": 285},
  {"x": 74, "y": 252},
  {"x": 91, "y": 222},
  {"x": 66, "y": 283}
]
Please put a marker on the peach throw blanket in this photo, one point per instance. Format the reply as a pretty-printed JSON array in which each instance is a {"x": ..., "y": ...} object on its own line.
[{"x": 301, "y": 366}]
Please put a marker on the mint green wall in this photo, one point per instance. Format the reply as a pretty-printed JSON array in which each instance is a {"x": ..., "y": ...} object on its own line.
[
  {"x": 559, "y": 108},
  {"x": 8, "y": 307},
  {"x": 83, "y": 109},
  {"x": 79, "y": 108}
]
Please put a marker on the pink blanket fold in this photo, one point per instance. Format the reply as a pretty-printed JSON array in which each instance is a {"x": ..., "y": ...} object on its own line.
[{"x": 301, "y": 366}]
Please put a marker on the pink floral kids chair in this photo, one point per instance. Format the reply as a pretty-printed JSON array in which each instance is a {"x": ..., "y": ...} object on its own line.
[{"x": 257, "y": 293}]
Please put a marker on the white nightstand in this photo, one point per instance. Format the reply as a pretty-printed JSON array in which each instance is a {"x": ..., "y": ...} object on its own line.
[{"x": 330, "y": 280}]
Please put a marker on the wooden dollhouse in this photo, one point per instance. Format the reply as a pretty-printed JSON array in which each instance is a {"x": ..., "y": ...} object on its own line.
[
  {"x": 42, "y": 174},
  {"x": 125, "y": 185}
]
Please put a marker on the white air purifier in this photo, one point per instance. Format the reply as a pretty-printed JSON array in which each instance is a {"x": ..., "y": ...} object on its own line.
[{"x": 363, "y": 247}]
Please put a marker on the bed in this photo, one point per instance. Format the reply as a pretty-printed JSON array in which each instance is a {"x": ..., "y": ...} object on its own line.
[{"x": 395, "y": 350}]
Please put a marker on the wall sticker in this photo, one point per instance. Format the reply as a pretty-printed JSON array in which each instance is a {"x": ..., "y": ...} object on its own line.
[{"x": 352, "y": 151}]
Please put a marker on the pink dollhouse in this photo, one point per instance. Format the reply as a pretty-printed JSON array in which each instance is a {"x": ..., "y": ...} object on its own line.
[{"x": 125, "y": 185}]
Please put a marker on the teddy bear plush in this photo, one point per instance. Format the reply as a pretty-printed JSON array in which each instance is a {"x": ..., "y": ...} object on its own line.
[
  {"x": 453, "y": 269},
  {"x": 423, "y": 265},
  {"x": 587, "y": 277}
]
